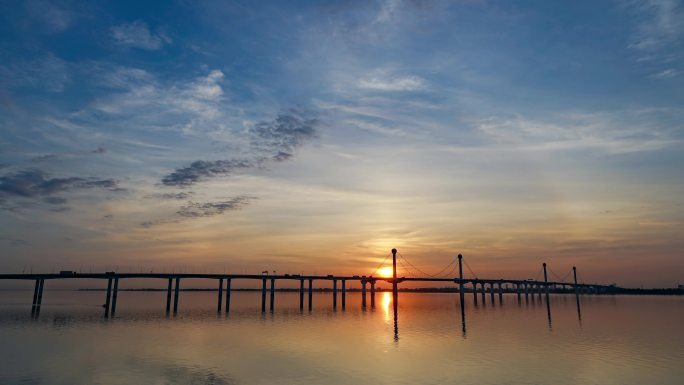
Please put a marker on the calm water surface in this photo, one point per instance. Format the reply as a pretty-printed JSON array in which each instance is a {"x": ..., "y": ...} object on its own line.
[{"x": 615, "y": 340}]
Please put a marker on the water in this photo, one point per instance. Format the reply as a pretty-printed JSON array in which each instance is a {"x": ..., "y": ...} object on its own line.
[{"x": 616, "y": 340}]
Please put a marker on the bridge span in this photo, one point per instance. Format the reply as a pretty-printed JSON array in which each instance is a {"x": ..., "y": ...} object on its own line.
[{"x": 463, "y": 285}]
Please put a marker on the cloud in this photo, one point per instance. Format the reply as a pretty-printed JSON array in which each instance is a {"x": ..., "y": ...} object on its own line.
[
  {"x": 200, "y": 210},
  {"x": 392, "y": 83},
  {"x": 618, "y": 132},
  {"x": 667, "y": 74},
  {"x": 278, "y": 139},
  {"x": 45, "y": 157},
  {"x": 54, "y": 18},
  {"x": 275, "y": 140},
  {"x": 35, "y": 183},
  {"x": 659, "y": 33},
  {"x": 192, "y": 106},
  {"x": 202, "y": 169},
  {"x": 174, "y": 196},
  {"x": 47, "y": 72},
  {"x": 138, "y": 35}
]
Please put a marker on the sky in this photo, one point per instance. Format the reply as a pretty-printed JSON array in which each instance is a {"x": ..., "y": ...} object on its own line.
[{"x": 314, "y": 136}]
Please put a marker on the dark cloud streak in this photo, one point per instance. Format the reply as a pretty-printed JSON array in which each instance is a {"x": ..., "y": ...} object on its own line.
[
  {"x": 208, "y": 209},
  {"x": 203, "y": 169},
  {"x": 34, "y": 183},
  {"x": 275, "y": 140}
]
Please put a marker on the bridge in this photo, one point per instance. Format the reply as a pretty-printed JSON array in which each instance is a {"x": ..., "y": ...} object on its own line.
[{"x": 464, "y": 285}]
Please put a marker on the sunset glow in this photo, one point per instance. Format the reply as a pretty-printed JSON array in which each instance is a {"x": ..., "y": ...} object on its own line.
[
  {"x": 349, "y": 135},
  {"x": 385, "y": 271}
]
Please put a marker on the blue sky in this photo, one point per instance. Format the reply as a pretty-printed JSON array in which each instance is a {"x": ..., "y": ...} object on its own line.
[{"x": 251, "y": 135}]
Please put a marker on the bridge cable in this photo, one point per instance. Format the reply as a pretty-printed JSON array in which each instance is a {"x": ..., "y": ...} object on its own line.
[
  {"x": 380, "y": 265},
  {"x": 556, "y": 275},
  {"x": 469, "y": 269},
  {"x": 406, "y": 269},
  {"x": 536, "y": 277},
  {"x": 423, "y": 272}
]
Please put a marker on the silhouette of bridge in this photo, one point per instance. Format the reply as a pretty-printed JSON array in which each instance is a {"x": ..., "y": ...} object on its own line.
[{"x": 465, "y": 285}]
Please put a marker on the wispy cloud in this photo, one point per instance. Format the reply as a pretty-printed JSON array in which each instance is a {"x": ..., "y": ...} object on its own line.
[
  {"x": 208, "y": 209},
  {"x": 47, "y": 72},
  {"x": 138, "y": 35},
  {"x": 275, "y": 140},
  {"x": 386, "y": 82},
  {"x": 50, "y": 14},
  {"x": 36, "y": 184},
  {"x": 202, "y": 169},
  {"x": 659, "y": 34},
  {"x": 629, "y": 131},
  {"x": 667, "y": 74}
]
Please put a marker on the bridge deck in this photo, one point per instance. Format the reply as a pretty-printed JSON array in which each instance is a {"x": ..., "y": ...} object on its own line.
[{"x": 294, "y": 277}]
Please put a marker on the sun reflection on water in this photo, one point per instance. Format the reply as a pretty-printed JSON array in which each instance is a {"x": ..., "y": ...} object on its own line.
[{"x": 386, "y": 302}]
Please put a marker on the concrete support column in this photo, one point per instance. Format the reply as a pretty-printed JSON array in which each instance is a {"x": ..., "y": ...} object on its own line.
[
  {"x": 310, "y": 294},
  {"x": 263, "y": 295},
  {"x": 176, "y": 293},
  {"x": 109, "y": 297},
  {"x": 228, "y": 287},
  {"x": 334, "y": 294},
  {"x": 35, "y": 297},
  {"x": 168, "y": 296},
  {"x": 491, "y": 291},
  {"x": 372, "y": 293},
  {"x": 220, "y": 295},
  {"x": 301, "y": 294},
  {"x": 484, "y": 293},
  {"x": 272, "y": 294},
  {"x": 344, "y": 294},
  {"x": 363, "y": 293},
  {"x": 39, "y": 301},
  {"x": 475, "y": 292},
  {"x": 500, "y": 293},
  {"x": 115, "y": 294}
]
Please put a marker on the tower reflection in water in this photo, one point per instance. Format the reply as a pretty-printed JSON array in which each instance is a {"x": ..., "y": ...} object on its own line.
[
  {"x": 393, "y": 300},
  {"x": 387, "y": 300}
]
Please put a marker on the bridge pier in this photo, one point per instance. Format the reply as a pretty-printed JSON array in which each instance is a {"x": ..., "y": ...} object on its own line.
[
  {"x": 228, "y": 284},
  {"x": 484, "y": 294},
  {"x": 334, "y": 294},
  {"x": 372, "y": 293},
  {"x": 363, "y": 293},
  {"x": 517, "y": 291},
  {"x": 168, "y": 296},
  {"x": 310, "y": 294},
  {"x": 220, "y": 295},
  {"x": 527, "y": 291},
  {"x": 491, "y": 291},
  {"x": 301, "y": 294},
  {"x": 272, "y": 294},
  {"x": 475, "y": 292},
  {"x": 500, "y": 294},
  {"x": 344, "y": 294},
  {"x": 39, "y": 301},
  {"x": 176, "y": 293},
  {"x": 35, "y": 297},
  {"x": 539, "y": 291},
  {"x": 108, "y": 298},
  {"x": 114, "y": 296},
  {"x": 263, "y": 295}
]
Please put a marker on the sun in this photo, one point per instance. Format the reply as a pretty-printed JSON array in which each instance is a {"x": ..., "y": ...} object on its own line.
[{"x": 385, "y": 271}]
